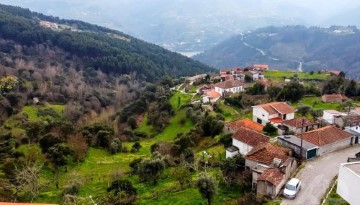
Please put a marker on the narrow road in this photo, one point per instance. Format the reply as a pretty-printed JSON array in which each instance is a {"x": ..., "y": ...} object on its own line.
[{"x": 317, "y": 175}]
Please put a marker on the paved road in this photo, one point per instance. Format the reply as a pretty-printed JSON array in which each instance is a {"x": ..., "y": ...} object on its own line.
[{"x": 317, "y": 175}]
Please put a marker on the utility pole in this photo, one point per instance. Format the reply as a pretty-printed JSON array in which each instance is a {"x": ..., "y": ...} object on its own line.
[{"x": 301, "y": 136}]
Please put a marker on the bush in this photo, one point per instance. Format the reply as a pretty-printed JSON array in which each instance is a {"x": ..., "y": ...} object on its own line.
[{"x": 269, "y": 129}]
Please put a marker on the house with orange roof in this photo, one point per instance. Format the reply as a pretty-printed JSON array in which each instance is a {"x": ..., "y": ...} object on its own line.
[
  {"x": 297, "y": 125},
  {"x": 274, "y": 112},
  {"x": 260, "y": 67},
  {"x": 210, "y": 97},
  {"x": 271, "y": 166},
  {"x": 328, "y": 139},
  {"x": 234, "y": 126},
  {"x": 318, "y": 142},
  {"x": 335, "y": 72},
  {"x": 244, "y": 140},
  {"x": 329, "y": 98}
]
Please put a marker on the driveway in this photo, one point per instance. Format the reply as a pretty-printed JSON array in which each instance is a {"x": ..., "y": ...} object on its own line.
[{"x": 317, "y": 175}]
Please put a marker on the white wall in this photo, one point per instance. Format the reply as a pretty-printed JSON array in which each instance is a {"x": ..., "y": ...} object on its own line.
[
  {"x": 231, "y": 154},
  {"x": 243, "y": 148},
  {"x": 328, "y": 117},
  {"x": 290, "y": 116},
  {"x": 348, "y": 184},
  {"x": 260, "y": 113},
  {"x": 334, "y": 146}
]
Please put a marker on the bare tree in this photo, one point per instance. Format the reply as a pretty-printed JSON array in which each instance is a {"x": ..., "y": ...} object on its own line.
[{"x": 28, "y": 178}]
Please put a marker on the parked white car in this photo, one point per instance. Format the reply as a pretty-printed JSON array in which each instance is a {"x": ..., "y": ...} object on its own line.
[{"x": 292, "y": 187}]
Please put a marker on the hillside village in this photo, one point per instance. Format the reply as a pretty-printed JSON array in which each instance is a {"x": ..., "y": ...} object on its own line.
[
  {"x": 296, "y": 137},
  {"x": 94, "y": 116}
]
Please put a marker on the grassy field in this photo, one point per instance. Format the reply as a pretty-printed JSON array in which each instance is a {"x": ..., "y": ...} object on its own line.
[
  {"x": 274, "y": 75},
  {"x": 99, "y": 165},
  {"x": 32, "y": 111},
  {"x": 316, "y": 103},
  {"x": 184, "y": 99}
]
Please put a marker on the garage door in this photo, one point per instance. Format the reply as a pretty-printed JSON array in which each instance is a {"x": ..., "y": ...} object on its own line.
[{"x": 311, "y": 153}]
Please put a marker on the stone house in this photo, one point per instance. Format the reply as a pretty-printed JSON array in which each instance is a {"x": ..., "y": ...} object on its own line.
[{"x": 267, "y": 162}]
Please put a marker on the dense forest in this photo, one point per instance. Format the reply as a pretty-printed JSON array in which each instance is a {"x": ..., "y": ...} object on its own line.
[
  {"x": 283, "y": 48},
  {"x": 96, "y": 47}
]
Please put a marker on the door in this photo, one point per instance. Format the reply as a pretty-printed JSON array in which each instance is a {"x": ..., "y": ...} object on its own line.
[
  {"x": 357, "y": 140},
  {"x": 311, "y": 153}
]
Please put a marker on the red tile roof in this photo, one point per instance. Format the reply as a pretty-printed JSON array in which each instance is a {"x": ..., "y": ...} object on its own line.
[
  {"x": 261, "y": 66},
  {"x": 335, "y": 72},
  {"x": 250, "y": 137},
  {"x": 265, "y": 83},
  {"x": 325, "y": 135},
  {"x": 225, "y": 70},
  {"x": 235, "y": 125},
  {"x": 298, "y": 122},
  {"x": 334, "y": 97},
  {"x": 276, "y": 120},
  {"x": 213, "y": 94},
  {"x": 266, "y": 152},
  {"x": 229, "y": 84},
  {"x": 273, "y": 175},
  {"x": 277, "y": 107}
]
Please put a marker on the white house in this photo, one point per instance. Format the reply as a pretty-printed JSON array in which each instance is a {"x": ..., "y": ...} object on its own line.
[
  {"x": 330, "y": 115},
  {"x": 244, "y": 140},
  {"x": 274, "y": 112},
  {"x": 211, "y": 96},
  {"x": 349, "y": 182},
  {"x": 230, "y": 86}
]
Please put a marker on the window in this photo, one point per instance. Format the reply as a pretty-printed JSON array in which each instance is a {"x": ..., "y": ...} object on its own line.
[{"x": 284, "y": 116}]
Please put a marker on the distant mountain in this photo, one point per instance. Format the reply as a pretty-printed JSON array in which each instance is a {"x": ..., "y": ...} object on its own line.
[
  {"x": 289, "y": 47},
  {"x": 188, "y": 25},
  {"x": 89, "y": 46}
]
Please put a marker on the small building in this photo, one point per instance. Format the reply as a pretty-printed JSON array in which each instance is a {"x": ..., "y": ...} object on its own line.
[
  {"x": 274, "y": 112},
  {"x": 257, "y": 75},
  {"x": 349, "y": 182},
  {"x": 245, "y": 140},
  {"x": 330, "y": 115},
  {"x": 297, "y": 125},
  {"x": 335, "y": 72},
  {"x": 235, "y": 125},
  {"x": 265, "y": 153},
  {"x": 347, "y": 121},
  {"x": 260, "y": 67},
  {"x": 225, "y": 77},
  {"x": 230, "y": 86},
  {"x": 329, "y": 98},
  {"x": 328, "y": 139},
  {"x": 267, "y": 162},
  {"x": 226, "y": 71},
  {"x": 270, "y": 182},
  {"x": 211, "y": 96},
  {"x": 292, "y": 142},
  {"x": 204, "y": 89}
]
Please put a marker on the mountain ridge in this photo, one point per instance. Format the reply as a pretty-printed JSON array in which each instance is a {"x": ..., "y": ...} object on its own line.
[
  {"x": 284, "y": 48},
  {"x": 95, "y": 46}
]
